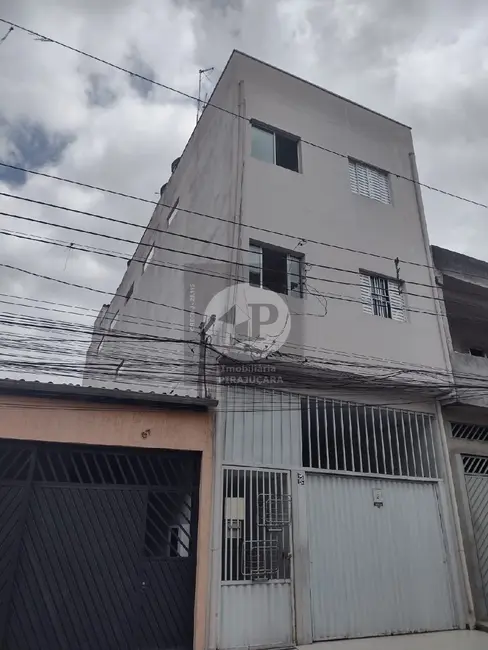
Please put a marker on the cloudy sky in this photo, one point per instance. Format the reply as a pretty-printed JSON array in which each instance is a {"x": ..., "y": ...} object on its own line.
[{"x": 423, "y": 62}]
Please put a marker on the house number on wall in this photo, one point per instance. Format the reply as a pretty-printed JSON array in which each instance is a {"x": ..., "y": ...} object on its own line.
[{"x": 300, "y": 478}]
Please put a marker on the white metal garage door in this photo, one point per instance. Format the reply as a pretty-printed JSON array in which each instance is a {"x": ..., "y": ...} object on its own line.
[
  {"x": 477, "y": 488},
  {"x": 376, "y": 569}
]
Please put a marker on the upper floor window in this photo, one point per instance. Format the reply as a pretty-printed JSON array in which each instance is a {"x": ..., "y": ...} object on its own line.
[
  {"x": 113, "y": 322},
  {"x": 276, "y": 270},
  {"x": 382, "y": 297},
  {"x": 274, "y": 147},
  {"x": 128, "y": 295},
  {"x": 148, "y": 259},
  {"x": 173, "y": 212},
  {"x": 369, "y": 181}
]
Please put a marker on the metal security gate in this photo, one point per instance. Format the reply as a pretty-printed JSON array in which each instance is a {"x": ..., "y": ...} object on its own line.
[
  {"x": 97, "y": 547},
  {"x": 256, "y": 585},
  {"x": 378, "y": 561},
  {"x": 476, "y": 476}
]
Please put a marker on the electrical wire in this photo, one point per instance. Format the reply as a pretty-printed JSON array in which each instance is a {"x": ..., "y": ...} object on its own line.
[{"x": 209, "y": 103}]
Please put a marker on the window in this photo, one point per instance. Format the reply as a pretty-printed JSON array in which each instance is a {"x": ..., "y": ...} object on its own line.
[
  {"x": 129, "y": 293},
  {"x": 274, "y": 147},
  {"x": 114, "y": 321},
  {"x": 382, "y": 297},
  {"x": 148, "y": 259},
  {"x": 369, "y": 181},
  {"x": 173, "y": 212},
  {"x": 276, "y": 270}
]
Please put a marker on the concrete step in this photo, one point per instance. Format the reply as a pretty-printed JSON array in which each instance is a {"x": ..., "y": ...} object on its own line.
[{"x": 482, "y": 625}]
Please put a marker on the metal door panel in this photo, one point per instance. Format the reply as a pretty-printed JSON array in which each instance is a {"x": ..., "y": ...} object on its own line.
[
  {"x": 477, "y": 487},
  {"x": 77, "y": 580},
  {"x": 376, "y": 570}
]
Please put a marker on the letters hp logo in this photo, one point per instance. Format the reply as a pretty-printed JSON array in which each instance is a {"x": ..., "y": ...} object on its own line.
[{"x": 250, "y": 323}]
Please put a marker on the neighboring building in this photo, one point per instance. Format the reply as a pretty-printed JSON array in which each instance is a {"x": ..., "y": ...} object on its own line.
[
  {"x": 101, "y": 496},
  {"x": 335, "y": 512},
  {"x": 464, "y": 283}
]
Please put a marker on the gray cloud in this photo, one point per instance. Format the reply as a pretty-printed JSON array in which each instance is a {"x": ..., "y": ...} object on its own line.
[{"x": 424, "y": 62}]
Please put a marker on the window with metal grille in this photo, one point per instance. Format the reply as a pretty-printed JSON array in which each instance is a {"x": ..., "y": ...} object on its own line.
[
  {"x": 469, "y": 431},
  {"x": 275, "y": 269},
  {"x": 338, "y": 435},
  {"x": 256, "y": 525},
  {"x": 475, "y": 465},
  {"x": 382, "y": 296},
  {"x": 369, "y": 181},
  {"x": 168, "y": 525},
  {"x": 270, "y": 145}
]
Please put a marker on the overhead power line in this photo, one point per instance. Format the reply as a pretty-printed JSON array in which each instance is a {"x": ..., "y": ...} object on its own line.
[{"x": 220, "y": 108}]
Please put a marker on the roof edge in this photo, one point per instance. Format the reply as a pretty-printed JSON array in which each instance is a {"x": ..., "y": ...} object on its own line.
[
  {"x": 21, "y": 387},
  {"x": 310, "y": 83}
]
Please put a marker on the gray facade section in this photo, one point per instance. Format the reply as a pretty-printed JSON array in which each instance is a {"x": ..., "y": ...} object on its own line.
[
  {"x": 262, "y": 428},
  {"x": 256, "y": 615}
]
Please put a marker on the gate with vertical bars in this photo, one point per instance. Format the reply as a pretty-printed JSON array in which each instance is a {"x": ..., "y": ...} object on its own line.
[{"x": 97, "y": 547}]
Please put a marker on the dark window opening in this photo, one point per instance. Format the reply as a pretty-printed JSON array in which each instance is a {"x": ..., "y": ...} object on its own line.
[
  {"x": 273, "y": 147},
  {"x": 286, "y": 152},
  {"x": 129, "y": 293},
  {"x": 276, "y": 270}
]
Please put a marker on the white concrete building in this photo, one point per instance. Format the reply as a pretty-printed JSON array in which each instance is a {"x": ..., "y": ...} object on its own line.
[{"x": 334, "y": 501}]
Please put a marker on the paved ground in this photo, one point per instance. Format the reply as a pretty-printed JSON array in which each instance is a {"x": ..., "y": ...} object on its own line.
[{"x": 457, "y": 640}]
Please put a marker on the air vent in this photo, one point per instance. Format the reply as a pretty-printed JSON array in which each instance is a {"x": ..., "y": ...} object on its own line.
[{"x": 469, "y": 431}]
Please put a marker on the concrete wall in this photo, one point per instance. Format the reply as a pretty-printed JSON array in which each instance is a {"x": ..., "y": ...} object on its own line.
[
  {"x": 207, "y": 181},
  {"x": 28, "y": 418},
  {"x": 318, "y": 204},
  {"x": 218, "y": 176}
]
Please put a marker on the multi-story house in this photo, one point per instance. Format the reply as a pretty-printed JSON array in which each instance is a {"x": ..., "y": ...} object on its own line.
[
  {"x": 464, "y": 283},
  {"x": 334, "y": 510}
]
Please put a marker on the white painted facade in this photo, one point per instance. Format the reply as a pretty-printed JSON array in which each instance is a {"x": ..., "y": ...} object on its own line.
[{"x": 237, "y": 201}]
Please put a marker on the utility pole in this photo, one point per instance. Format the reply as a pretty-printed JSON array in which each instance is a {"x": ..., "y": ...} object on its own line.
[{"x": 202, "y": 371}]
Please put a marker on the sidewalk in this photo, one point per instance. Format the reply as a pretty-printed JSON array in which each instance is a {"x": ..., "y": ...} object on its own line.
[{"x": 455, "y": 640}]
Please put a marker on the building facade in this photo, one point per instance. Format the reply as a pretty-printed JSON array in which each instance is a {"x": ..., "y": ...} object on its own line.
[
  {"x": 334, "y": 511},
  {"x": 105, "y": 513},
  {"x": 464, "y": 282}
]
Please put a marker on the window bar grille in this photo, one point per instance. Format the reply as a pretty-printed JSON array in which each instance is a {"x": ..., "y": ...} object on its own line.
[
  {"x": 351, "y": 439},
  {"x": 375, "y": 443},
  {"x": 342, "y": 434},
  {"x": 419, "y": 443},
  {"x": 317, "y": 424},
  {"x": 334, "y": 432},
  {"x": 358, "y": 438},
  {"x": 434, "y": 456},
  {"x": 326, "y": 440},
  {"x": 380, "y": 419},
  {"x": 309, "y": 430},
  {"x": 413, "y": 446}
]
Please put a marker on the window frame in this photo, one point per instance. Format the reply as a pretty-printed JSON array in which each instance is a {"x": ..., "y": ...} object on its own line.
[
  {"x": 274, "y": 131},
  {"x": 256, "y": 247},
  {"x": 148, "y": 259},
  {"x": 173, "y": 212},
  {"x": 395, "y": 298},
  {"x": 353, "y": 163}
]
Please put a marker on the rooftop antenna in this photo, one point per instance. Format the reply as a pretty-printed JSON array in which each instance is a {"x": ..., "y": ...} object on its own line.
[{"x": 201, "y": 72}]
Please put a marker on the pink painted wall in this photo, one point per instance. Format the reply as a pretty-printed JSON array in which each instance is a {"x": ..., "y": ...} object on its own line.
[{"x": 56, "y": 420}]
